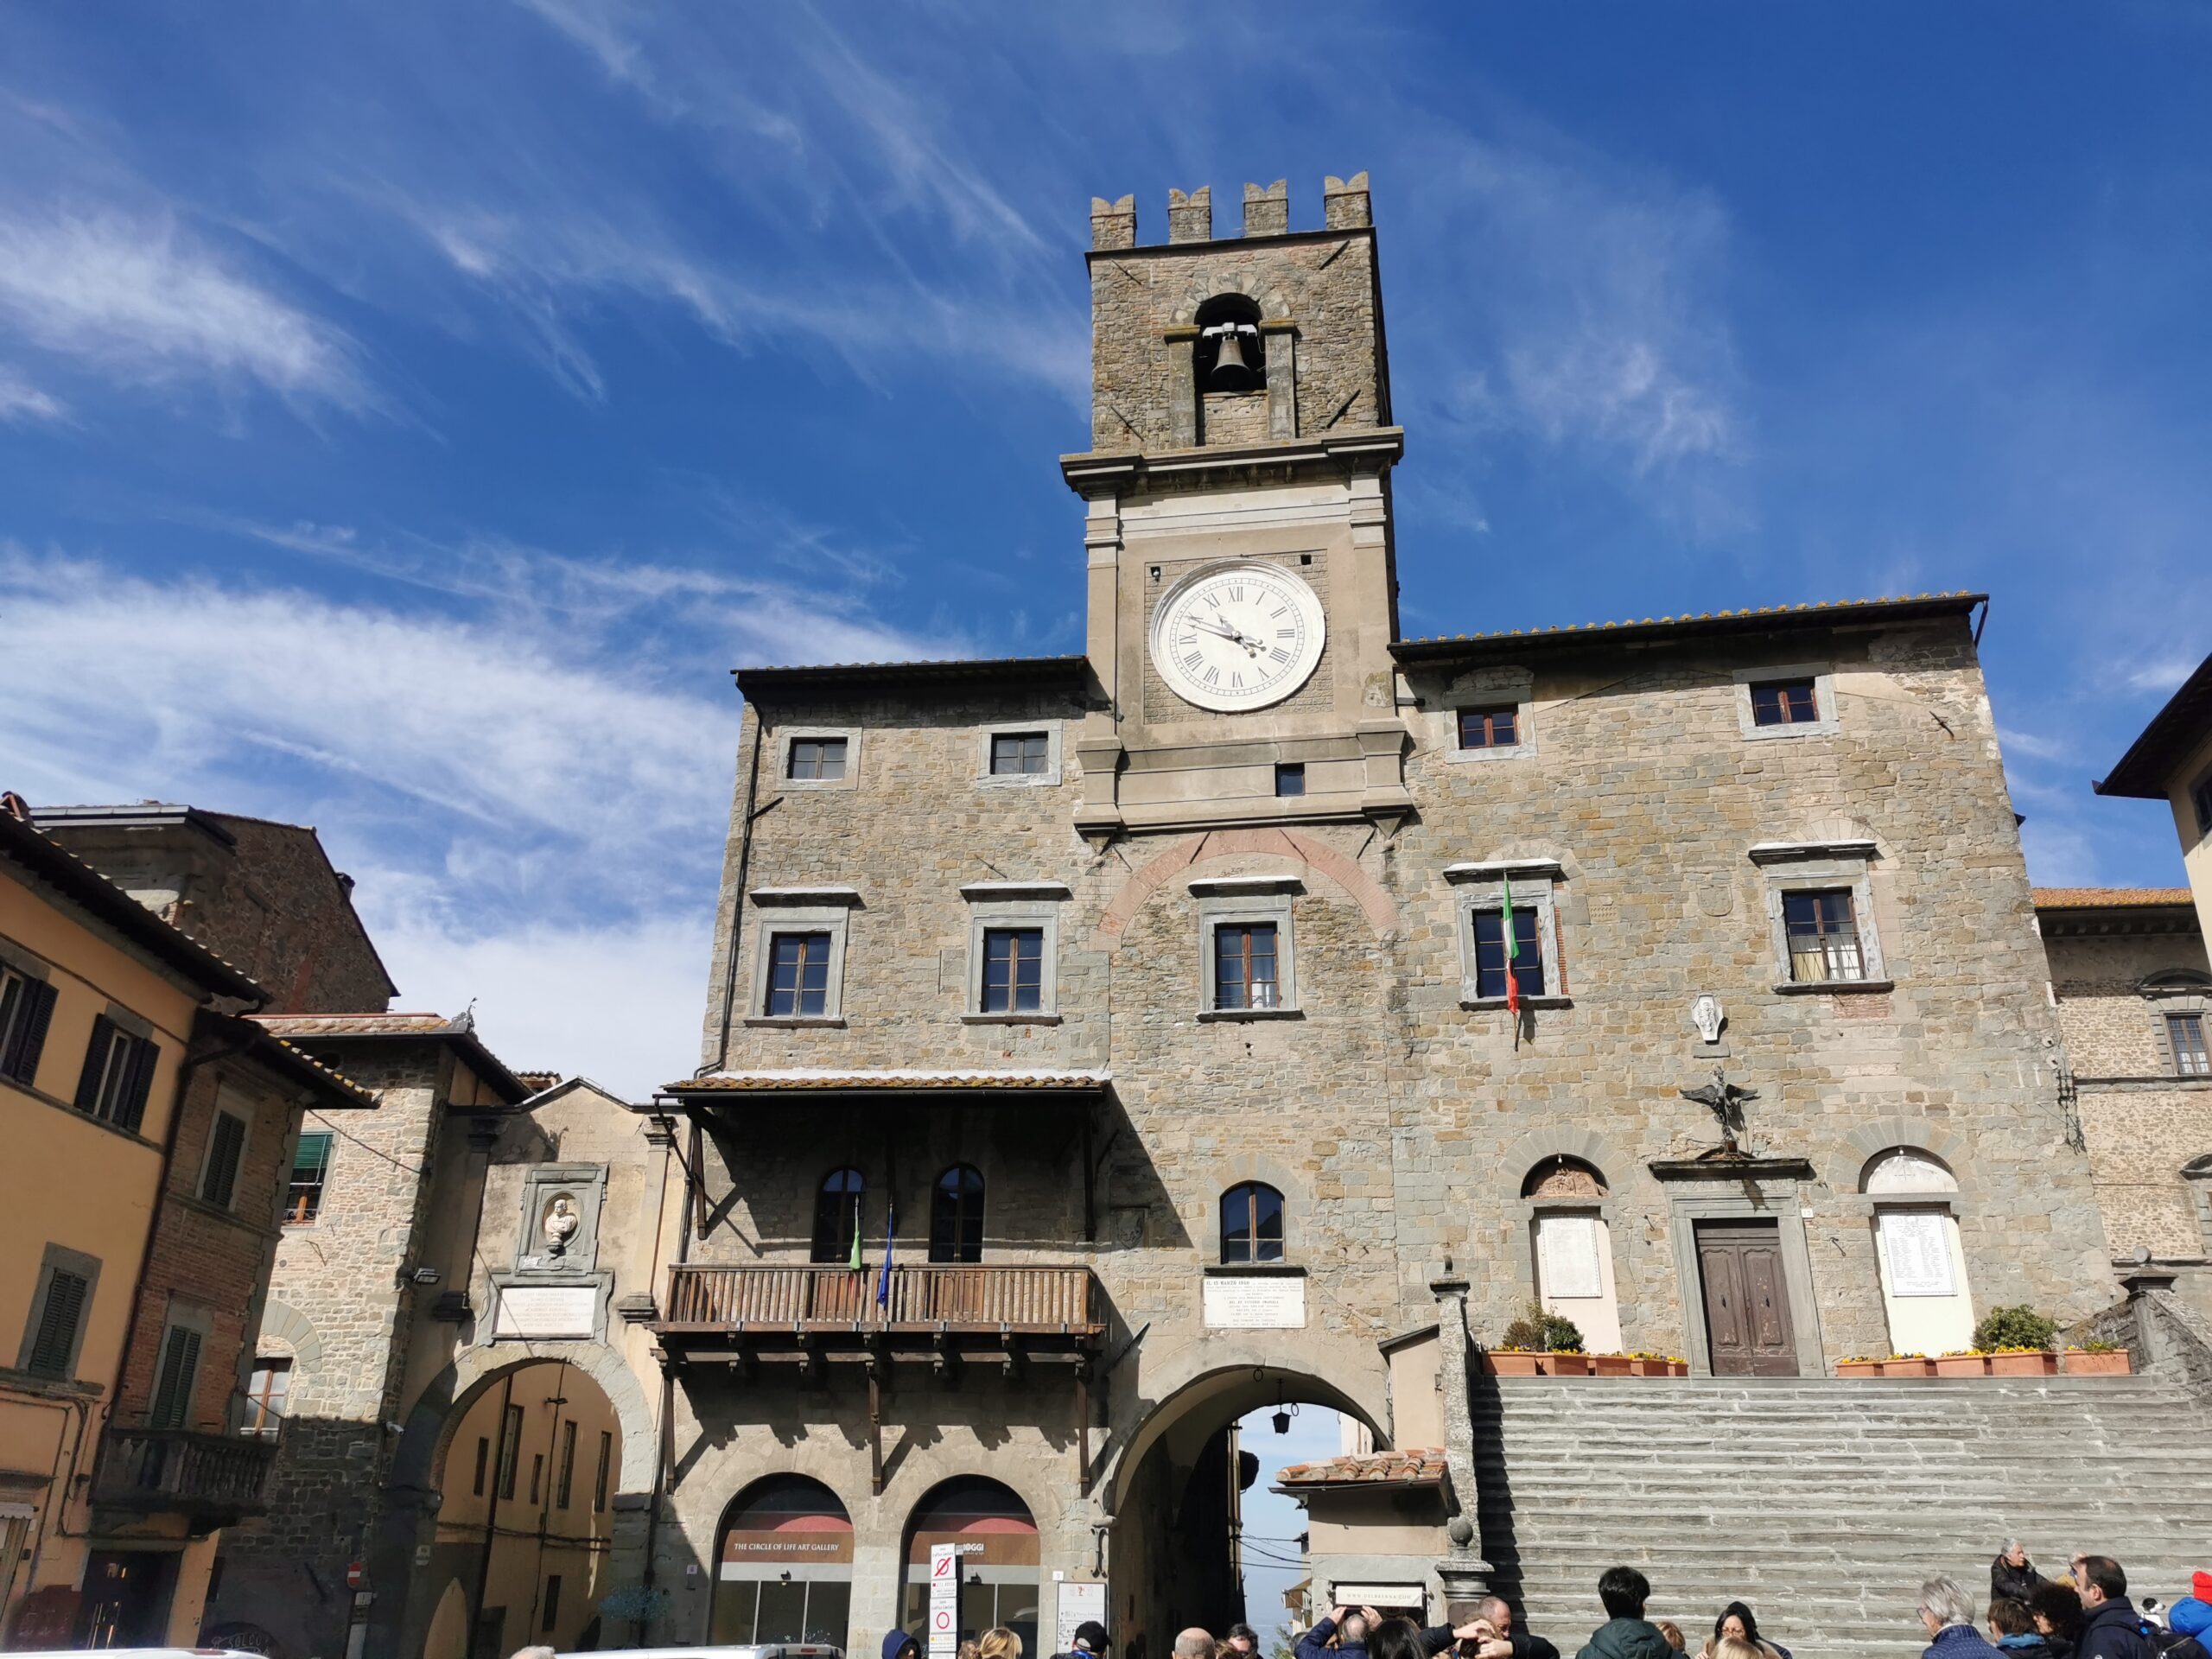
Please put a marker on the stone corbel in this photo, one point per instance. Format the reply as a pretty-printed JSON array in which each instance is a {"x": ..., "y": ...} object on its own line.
[
  {"x": 1099, "y": 812},
  {"x": 1382, "y": 751}
]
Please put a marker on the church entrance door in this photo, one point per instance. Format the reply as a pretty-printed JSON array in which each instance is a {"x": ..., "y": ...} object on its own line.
[{"x": 1748, "y": 1330}]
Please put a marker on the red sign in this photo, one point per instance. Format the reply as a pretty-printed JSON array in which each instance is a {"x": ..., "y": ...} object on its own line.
[{"x": 357, "y": 1575}]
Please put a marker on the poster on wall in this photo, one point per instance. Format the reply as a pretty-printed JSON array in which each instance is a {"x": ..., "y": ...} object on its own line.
[
  {"x": 1568, "y": 1264},
  {"x": 944, "y": 1601},
  {"x": 1917, "y": 1246},
  {"x": 1081, "y": 1600}
]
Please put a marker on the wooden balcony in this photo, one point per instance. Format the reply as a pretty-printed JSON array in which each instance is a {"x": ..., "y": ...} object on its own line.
[
  {"x": 742, "y": 1313},
  {"x": 215, "y": 1479}
]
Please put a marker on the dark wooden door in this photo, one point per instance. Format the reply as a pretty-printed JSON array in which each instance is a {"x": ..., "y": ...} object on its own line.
[{"x": 1747, "y": 1326}]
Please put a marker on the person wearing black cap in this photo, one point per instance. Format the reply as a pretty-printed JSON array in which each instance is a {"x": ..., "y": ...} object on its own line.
[{"x": 1090, "y": 1638}]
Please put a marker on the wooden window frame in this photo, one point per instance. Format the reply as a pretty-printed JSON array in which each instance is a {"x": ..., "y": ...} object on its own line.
[
  {"x": 1825, "y": 721},
  {"x": 1236, "y": 910},
  {"x": 1792, "y": 868},
  {"x": 296, "y": 1189},
  {"x": 1048, "y": 776},
  {"x": 1015, "y": 936},
  {"x": 116, "y": 1083},
  {"x": 775, "y": 917},
  {"x": 836, "y": 1249},
  {"x": 1254, "y": 1244},
  {"x": 807, "y": 941},
  {"x": 171, "y": 1404},
  {"x": 959, "y": 1213},
  {"x": 265, "y": 1404},
  {"x": 2186, "y": 1062},
  {"x": 787, "y": 741},
  {"x": 1827, "y": 940},
  {"x": 1488, "y": 713}
]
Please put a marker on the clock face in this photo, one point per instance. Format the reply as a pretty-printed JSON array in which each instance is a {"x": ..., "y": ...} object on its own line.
[{"x": 1232, "y": 637}]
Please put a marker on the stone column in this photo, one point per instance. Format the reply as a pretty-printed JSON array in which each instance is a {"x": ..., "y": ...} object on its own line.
[{"x": 1464, "y": 1573}]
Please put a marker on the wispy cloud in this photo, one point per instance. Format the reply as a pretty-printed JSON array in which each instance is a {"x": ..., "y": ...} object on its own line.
[
  {"x": 139, "y": 299},
  {"x": 20, "y": 401}
]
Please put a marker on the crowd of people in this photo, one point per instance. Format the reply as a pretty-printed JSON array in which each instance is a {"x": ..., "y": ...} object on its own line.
[{"x": 2085, "y": 1615}]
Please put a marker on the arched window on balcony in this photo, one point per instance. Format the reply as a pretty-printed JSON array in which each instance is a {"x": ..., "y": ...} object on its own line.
[
  {"x": 837, "y": 1215},
  {"x": 1251, "y": 1224},
  {"x": 956, "y": 1216}
]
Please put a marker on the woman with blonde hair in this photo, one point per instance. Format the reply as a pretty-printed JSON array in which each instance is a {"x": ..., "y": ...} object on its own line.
[{"x": 999, "y": 1642}]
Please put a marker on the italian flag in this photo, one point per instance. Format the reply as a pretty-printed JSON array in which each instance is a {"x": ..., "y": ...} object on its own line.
[
  {"x": 1512, "y": 954},
  {"x": 856, "y": 1264}
]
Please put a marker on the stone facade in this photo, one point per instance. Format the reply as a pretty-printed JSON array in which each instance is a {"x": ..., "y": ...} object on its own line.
[{"x": 1644, "y": 815}]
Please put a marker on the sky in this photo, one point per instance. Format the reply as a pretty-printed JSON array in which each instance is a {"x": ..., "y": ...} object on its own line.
[{"x": 410, "y": 413}]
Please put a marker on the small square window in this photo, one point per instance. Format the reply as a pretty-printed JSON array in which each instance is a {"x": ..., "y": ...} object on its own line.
[
  {"x": 1245, "y": 966},
  {"x": 1822, "y": 932},
  {"x": 798, "y": 975},
  {"x": 816, "y": 760},
  {"x": 1784, "y": 703},
  {"x": 1013, "y": 969},
  {"x": 2186, "y": 1032},
  {"x": 1020, "y": 754},
  {"x": 1290, "y": 778},
  {"x": 310, "y": 1169},
  {"x": 1489, "y": 728},
  {"x": 1492, "y": 963}
]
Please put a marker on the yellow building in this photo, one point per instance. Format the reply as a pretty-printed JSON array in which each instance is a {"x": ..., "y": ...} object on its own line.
[{"x": 131, "y": 1094}]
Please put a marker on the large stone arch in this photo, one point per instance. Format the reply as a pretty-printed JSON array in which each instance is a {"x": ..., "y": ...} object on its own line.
[
  {"x": 1567, "y": 1141},
  {"x": 421, "y": 1457},
  {"x": 1274, "y": 304},
  {"x": 1869, "y": 1141},
  {"x": 1374, "y": 901},
  {"x": 284, "y": 1323}
]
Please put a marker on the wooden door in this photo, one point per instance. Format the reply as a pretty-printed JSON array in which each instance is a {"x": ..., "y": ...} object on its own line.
[{"x": 1747, "y": 1325}]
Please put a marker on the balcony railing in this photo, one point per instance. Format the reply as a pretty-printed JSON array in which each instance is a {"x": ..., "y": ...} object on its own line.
[
  {"x": 182, "y": 1470},
  {"x": 801, "y": 1299}
]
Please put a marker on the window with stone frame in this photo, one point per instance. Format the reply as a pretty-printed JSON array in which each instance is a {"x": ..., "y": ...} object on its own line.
[
  {"x": 1786, "y": 700},
  {"x": 1251, "y": 1225},
  {"x": 799, "y": 974},
  {"x": 816, "y": 759},
  {"x": 61, "y": 1305},
  {"x": 1784, "y": 703},
  {"x": 1245, "y": 967},
  {"x": 1533, "y": 886},
  {"x": 1821, "y": 928},
  {"x": 1020, "y": 754},
  {"x": 269, "y": 1386},
  {"x": 956, "y": 1216},
  {"x": 2185, "y": 1041},
  {"x": 1013, "y": 969},
  {"x": 310, "y": 1173},
  {"x": 118, "y": 1074}
]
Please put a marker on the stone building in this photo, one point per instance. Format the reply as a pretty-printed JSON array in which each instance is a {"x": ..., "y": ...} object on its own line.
[{"x": 1100, "y": 1047}]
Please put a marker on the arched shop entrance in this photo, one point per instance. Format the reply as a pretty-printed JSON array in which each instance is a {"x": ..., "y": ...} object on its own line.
[
  {"x": 1179, "y": 1498},
  {"x": 998, "y": 1564},
  {"x": 783, "y": 1567}
]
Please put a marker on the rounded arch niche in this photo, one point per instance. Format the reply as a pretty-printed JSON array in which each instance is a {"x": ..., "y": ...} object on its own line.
[
  {"x": 783, "y": 1564},
  {"x": 1571, "y": 1248},
  {"x": 996, "y": 1536},
  {"x": 1917, "y": 1251}
]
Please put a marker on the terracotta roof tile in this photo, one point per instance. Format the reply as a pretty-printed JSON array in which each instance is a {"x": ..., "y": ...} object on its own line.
[
  {"x": 2108, "y": 898},
  {"x": 1418, "y": 1466},
  {"x": 795, "y": 1077},
  {"x": 362, "y": 1025}
]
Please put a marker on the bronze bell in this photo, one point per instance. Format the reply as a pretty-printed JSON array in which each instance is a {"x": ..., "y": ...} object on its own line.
[{"x": 1230, "y": 373}]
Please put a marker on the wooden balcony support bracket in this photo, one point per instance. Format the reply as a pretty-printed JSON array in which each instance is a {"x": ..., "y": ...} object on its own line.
[
  {"x": 1011, "y": 1356},
  {"x": 944, "y": 1358}
]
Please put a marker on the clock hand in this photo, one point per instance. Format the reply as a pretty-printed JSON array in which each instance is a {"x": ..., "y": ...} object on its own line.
[{"x": 1226, "y": 633}]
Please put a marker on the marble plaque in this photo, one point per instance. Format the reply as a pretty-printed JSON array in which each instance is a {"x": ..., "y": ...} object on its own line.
[
  {"x": 1569, "y": 1264},
  {"x": 1260, "y": 1302},
  {"x": 546, "y": 1311},
  {"x": 1918, "y": 1249}
]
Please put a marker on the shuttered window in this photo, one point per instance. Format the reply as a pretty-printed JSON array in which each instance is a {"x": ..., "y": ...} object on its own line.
[
  {"x": 53, "y": 1348},
  {"x": 226, "y": 1146},
  {"x": 310, "y": 1170},
  {"x": 26, "y": 1010},
  {"x": 118, "y": 1077},
  {"x": 179, "y": 1371}
]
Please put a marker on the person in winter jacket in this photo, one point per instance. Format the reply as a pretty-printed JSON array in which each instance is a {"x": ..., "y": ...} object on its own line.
[
  {"x": 1625, "y": 1634},
  {"x": 1089, "y": 1642},
  {"x": 1347, "y": 1627},
  {"x": 2012, "y": 1574},
  {"x": 897, "y": 1644},
  {"x": 1947, "y": 1611},
  {"x": 1738, "y": 1622},
  {"x": 2057, "y": 1610},
  {"x": 2111, "y": 1628},
  {"x": 2190, "y": 1624},
  {"x": 2012, "y": 1626},
  {"x": 1494, "y": 1623}
]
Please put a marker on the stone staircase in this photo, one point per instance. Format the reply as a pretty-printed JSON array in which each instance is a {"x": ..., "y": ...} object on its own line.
[{"x": 1824, "y": 1503}]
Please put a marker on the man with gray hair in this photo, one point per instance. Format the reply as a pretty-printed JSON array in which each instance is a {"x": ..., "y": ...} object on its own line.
[
  {"x": 1947, "y": 1611},
  {"x": 1194, "y": 1643}
]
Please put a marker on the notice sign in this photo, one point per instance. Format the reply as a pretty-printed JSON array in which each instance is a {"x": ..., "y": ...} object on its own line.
[
  {"x": 1918, "y": 1246},
  {"x": 1269, "y": 1301},
  {"x": 944, "y": 1601},
  {"x": 1081, "y": 1600}
]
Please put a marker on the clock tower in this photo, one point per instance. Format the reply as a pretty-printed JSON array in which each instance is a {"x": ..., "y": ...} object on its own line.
[{"x": 1242, "y": 590}]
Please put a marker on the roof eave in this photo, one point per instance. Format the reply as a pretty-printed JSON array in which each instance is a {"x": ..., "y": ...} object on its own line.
[
  {"x": 2144, "y": 771},
  {"x": 1413, "y": 653}
]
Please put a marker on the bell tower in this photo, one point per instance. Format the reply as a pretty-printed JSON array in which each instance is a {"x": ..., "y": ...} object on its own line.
[{"x": 1243, "y": 591}]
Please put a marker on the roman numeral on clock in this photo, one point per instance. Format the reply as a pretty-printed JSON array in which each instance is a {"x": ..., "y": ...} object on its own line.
[
  {"x": 1280, "y": 654},
  {"x": 1212, "y": 676},
  {"x": 1192, "y": 661}
]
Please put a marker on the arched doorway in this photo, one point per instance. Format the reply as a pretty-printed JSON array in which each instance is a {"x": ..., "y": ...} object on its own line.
[
  {"x": 525, "y": 1520},
  {"x": 784, "y": 1565},
  {"x": 997, "y": 1536},
  {"x": 1178, "y": 1497}
]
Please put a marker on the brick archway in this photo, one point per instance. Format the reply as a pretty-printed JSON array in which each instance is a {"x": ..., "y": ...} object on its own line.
[{"x": 1379, "y": 907}]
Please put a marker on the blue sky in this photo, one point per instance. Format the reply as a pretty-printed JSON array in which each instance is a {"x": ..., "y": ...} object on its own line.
[{"x": 409, "y": 413}]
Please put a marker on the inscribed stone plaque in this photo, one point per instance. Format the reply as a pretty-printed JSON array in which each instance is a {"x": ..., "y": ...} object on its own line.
[
  {"x": 545, "y": 1311},
  {"x": 1263, "y": 1302},
  {"x": 1569, "y": 1248},
  {"x": 1918, "y": 1248}
]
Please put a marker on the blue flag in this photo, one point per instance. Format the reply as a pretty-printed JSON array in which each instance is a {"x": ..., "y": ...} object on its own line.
[{"x": 890, "y": 1232}]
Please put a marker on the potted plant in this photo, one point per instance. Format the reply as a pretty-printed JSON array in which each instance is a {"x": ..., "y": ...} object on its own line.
[
  {"x": 1907, "y": 1365},
  {"x": 1644, "y": 1364},
  {"x": 1552, "y": 1340},
  {"x": 1612, "y": 1364},
  {"x": 1962, "y": 1362},
  {"x": 2019, "y": 1341},
  {"x": 2097, "y": 1359},
  {"x": 1857, "y": 1365},
  {"x": 1509, "y": 1361}
]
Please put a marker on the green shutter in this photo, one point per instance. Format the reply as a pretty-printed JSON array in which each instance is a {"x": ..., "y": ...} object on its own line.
[
  {"x": 27, "y": 1040},
  {"x": 53, "y": 1349},
  {"x": 224, "y": 1143},
  {"x": 95, "y": 1055},
  {"x": 180, "y": 1371}
]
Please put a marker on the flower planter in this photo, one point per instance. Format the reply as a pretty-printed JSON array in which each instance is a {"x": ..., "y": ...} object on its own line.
[
  {"x": 1651, "y": 1368},
  {"x": 2080, "y": 1361},
  {"x": 1612, "y": 1365},
  {"x": 1962, "y": 1365},
  {"x": 1914, "y": 1366},
  {"x": 2034, "y": 1364},
  {"x": 1564, "y": 1364},
  {"x": 1518, "y": 1365},
  {"x": 1858, "y": 1368}
]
